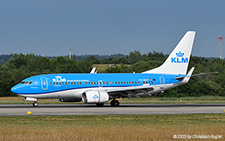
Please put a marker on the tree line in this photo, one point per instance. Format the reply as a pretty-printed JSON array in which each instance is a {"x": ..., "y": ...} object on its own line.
[{"x": 21, "y": 66}]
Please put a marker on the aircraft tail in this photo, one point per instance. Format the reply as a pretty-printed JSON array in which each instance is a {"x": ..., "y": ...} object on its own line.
[{"x": 178, "y": 60}]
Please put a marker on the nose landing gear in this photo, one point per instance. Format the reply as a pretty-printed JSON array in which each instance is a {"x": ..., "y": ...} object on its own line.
[{"x": 35, "y": 104}]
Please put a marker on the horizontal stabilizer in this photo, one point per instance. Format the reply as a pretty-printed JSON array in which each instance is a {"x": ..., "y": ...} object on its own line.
[{"x": 201, "y": 74}]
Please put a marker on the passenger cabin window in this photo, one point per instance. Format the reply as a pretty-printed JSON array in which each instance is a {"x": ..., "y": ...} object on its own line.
[{"x": 26, "y": 82}]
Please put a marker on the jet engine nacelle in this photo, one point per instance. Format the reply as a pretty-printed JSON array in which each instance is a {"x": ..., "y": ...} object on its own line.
[
  {"x": 70, "y": 100},
  {"x": 95, "y": 97}
]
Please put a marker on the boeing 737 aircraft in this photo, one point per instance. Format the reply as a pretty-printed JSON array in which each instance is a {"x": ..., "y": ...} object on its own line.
[{"x": 99, "y": 88}]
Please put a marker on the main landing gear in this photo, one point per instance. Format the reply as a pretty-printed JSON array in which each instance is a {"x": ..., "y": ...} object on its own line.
[
  {"x": 115, "y": 103},
  {"x": 35, "y": 104}
]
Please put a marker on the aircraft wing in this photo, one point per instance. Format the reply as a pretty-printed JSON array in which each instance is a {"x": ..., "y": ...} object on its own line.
[{"x": 130, "y": 91}]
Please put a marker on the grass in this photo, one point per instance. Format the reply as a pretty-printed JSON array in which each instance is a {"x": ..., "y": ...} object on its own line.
[
  {"x": 112, "y": 127},
  {"x": 143, "y": 100}
]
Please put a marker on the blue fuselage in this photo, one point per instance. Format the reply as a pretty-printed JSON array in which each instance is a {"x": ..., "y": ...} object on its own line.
[{"x": 50, "y": 83}]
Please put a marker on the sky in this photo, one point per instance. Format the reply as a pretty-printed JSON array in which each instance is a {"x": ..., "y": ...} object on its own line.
[{"x": 104, "y": 27}]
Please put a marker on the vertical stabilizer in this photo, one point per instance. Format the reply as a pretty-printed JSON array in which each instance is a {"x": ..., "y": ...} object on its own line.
[{"x": 178, "y": 60}]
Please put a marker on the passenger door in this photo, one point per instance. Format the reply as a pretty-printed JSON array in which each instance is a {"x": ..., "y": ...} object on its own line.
[
  {"x": 100, "y": 83},
  {"x": 162, "y": 80},
  {"x": 44, "y": 83}
]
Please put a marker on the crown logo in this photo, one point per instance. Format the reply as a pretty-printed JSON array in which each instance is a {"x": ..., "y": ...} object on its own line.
[
  {"x": 179, "y": 54},
  {"x": 95, "y": 96},
  {"x": 58, "y": 76}
]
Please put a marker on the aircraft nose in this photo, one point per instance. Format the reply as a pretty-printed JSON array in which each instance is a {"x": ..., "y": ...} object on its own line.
[{"x": 15, "y": 89}]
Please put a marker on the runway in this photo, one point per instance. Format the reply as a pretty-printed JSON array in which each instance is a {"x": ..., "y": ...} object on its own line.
[{"x": 124, "y": 109}]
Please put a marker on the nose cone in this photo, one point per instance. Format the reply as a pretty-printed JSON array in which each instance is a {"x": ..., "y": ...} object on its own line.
[{"x": 16, "y": 89}]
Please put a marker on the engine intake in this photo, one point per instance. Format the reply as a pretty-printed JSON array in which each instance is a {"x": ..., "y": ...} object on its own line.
[{"x": 95, "y": 97}]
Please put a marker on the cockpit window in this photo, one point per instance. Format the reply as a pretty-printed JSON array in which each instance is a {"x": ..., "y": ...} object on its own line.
[{"x": 26, "y": 82}]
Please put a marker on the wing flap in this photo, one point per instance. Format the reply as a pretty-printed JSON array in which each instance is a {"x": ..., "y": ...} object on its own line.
[{"x": 135, "y": 88}]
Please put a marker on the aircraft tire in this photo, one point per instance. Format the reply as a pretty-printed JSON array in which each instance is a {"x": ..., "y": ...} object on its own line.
[
  {"x": 35, "y": 104},
  {"x": 115, "y": 103}
]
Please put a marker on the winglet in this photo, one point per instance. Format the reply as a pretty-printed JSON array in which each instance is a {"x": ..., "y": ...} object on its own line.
[
  {"x": 188, "y": 76},
  {"x": 93, "y": 70}
]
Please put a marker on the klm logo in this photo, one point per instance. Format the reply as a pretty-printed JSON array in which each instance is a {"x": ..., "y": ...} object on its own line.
[
  {"x": 59, "y": 79},
  {"x": 95, "y": 96},
  {"x": 179, "y": 58}
]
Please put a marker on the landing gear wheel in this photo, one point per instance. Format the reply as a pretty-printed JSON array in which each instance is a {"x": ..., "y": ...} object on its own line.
[
  {"x": 115, "y": 103},
  {"x": 35, "y": 104},
  {"x": 100, "y": 104}
]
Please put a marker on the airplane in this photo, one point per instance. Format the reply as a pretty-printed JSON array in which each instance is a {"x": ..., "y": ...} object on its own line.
[{"x": 99, "y": 88}]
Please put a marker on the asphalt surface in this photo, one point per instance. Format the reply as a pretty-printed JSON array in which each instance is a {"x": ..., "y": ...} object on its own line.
[{"x": 124, "y": 109}]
